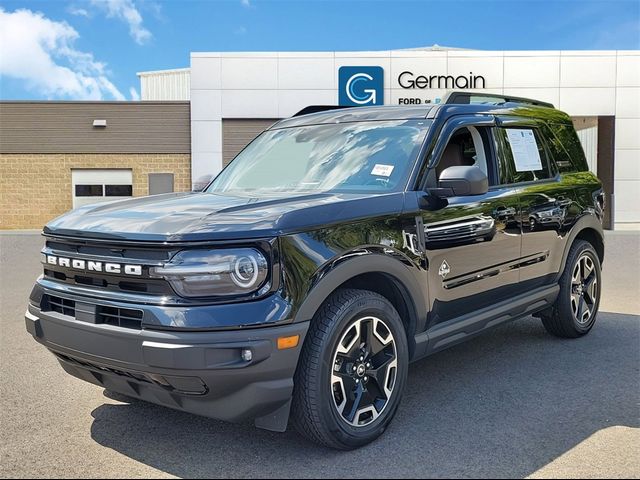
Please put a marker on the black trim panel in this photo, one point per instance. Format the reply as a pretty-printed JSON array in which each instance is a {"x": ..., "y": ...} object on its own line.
[{"x": 463, "y": 328}]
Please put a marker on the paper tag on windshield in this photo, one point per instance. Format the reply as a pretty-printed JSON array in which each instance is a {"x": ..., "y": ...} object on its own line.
[{"x": 382, "y": 170}]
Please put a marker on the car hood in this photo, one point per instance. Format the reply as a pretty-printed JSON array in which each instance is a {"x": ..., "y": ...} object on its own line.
[{"x": 208, "y": 216}]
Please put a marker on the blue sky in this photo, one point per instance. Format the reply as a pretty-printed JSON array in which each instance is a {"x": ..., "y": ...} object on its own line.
[{"x": 92, "y": 49}]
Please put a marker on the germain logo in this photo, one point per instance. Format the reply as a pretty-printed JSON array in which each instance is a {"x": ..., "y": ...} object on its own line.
[
  {"x": 360, "y": 86},
  {"x": 409, "y": 80},
  {"x": 92, "y": 266}
]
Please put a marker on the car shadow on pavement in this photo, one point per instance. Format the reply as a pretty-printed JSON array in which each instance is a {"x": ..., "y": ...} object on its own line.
[{"x": 502, "y": 405}]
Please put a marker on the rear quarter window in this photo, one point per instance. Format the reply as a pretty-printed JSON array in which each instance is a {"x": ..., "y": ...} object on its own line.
[{"x": 566, "y": 148}]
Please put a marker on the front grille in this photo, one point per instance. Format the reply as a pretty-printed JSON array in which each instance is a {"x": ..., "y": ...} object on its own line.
[
  {"x": 104, "y": 315},
  {"x": 60, "y": 305},
  {"x": 119, "y": 317},
  {"x": 151, "y": 286},
  {"x": 75, "y": 247},
  {"x": 146, "y": 256}
]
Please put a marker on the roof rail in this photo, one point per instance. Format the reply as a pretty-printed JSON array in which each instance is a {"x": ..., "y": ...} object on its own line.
[
  {"x": 465, "y": 98},
  {"x": 318, "y": 108}
]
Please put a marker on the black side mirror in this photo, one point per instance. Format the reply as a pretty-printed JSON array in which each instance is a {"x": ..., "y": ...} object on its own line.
[{"x": 462, "y": 180}]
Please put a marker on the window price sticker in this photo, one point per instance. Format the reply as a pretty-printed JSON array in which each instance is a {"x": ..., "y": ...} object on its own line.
[
  {"x": 382, "y": 170},
  {"x": 525, "y": 150}
]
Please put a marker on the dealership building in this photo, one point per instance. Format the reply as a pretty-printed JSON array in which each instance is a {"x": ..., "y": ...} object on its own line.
[{"x": 192, "y": 121}]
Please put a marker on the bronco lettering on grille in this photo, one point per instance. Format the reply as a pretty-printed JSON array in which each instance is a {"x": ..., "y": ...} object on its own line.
[{"x": 93, "y": 266}]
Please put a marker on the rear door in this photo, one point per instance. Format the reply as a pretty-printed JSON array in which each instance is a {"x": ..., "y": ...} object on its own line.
[
  {"x": 547, "y": 208},
  {"x": 473, "y": 243}
]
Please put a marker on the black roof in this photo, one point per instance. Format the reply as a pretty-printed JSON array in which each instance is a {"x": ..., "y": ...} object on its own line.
[
  {"x": 357, "y": 114},
  {"x": 416, "y": 112}
]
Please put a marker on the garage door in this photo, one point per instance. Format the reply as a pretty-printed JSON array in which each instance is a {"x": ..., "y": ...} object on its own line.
[
  {"x": 237, "y": 133},
  {"x": 100, "y": 185}
]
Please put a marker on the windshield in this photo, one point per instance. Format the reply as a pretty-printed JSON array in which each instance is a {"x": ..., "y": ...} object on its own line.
[{"x": 350, "y": 157}]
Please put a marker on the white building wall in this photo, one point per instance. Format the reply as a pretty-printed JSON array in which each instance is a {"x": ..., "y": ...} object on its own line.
[
  {"x": 627, "y": 141},
  {"x": 165, "y": 85},
  {"x": 278, "y": 84}
]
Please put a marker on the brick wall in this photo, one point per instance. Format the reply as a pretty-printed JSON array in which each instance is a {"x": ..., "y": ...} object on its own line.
[{"x": 35, "y": 188}]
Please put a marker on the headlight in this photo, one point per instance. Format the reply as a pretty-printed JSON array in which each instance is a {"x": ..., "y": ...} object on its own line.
[{"x": 210, "y": 273}]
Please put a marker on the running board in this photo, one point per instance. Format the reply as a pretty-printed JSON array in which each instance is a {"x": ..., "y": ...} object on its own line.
[{"x": 472, "y": 324}]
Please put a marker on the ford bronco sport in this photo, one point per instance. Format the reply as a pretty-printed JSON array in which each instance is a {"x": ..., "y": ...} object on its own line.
[{"x": 336, "y": 248}]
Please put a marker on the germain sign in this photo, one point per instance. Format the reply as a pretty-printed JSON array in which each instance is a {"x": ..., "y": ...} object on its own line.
[
  {"x": 364, "y": 85},
  {"x": 409, "y": 80}
]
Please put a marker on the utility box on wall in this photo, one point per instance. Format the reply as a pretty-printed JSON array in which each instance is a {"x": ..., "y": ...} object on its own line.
[{"x": 160, "y": 183}]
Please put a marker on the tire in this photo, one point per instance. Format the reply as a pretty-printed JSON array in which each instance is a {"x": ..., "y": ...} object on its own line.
[
  {"x": 575, "y": 311},
  {"x": 332, "y": 376}
]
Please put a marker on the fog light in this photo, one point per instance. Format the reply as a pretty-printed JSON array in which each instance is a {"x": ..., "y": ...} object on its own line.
[{"x": 247, "y": 355}]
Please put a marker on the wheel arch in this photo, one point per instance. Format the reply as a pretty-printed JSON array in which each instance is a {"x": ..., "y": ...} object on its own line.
[
  {"x": 385, "y": 275},
  {"x": 594, "y": 238},
  {"x": 587, "y": 228}
]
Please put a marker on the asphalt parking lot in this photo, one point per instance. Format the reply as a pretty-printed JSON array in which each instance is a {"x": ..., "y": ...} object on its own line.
[{"x": 514, "y": 403}]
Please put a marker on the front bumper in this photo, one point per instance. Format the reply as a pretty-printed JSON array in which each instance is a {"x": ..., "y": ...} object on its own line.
[{"x": 197, "y": 372}]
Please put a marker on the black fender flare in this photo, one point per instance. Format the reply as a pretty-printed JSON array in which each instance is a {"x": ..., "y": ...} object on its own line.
[
  {"x": 586, "y": 222},
  {"x": 405, "y": 276}
]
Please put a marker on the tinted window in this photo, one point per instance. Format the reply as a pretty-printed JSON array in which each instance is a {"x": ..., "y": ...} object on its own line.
[
  {"x": 566, "y": 148},
  {"x": 88, "y": 190},
  {"x": 118, "y": 190},
  {"x": 513, "y": 175},
  {"x": 505, "y": 175}
]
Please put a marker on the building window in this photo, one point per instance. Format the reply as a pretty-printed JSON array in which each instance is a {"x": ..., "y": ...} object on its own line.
[
  {"x": 118, "y": 190},
  {"x": 88, "y": 190}
]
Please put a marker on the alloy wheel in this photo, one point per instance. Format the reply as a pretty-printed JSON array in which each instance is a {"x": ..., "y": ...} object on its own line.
[
  {"x": 364, "y": 371},
  {"x": 584, "y": 289}
]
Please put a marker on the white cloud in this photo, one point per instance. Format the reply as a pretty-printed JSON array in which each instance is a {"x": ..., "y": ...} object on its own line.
[
  {"x": 246, "y": 3},
  {"x": 78, "y": 12},
  {"x": 135, "y": 96},
  {"x": 126, "y": 11},
  {"x": 42, "y": 54}
]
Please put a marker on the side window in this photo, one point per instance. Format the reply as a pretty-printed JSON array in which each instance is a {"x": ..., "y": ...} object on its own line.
[
  {"x": 566, "y": 148},
  {"x": 467, "y": 146},
  {"x": 504, "y": 160},
  {"x": 524, "y": 156}
]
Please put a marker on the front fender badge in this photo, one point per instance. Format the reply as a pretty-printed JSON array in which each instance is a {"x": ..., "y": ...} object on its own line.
[{"x": 444, "y": 269}]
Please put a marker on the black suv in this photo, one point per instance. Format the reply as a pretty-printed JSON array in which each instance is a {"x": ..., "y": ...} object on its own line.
[{"x": 336, "y": 248}]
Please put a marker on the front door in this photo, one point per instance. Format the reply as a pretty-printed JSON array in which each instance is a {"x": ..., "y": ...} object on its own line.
[{"x": 473, "y": 243}]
